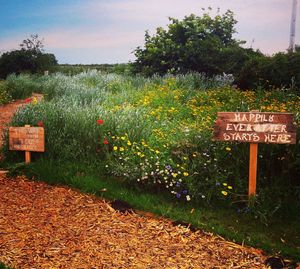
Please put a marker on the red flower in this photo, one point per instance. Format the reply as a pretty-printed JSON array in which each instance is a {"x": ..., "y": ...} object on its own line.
[
  {"x": 100, "y": 122},
  {"x": 105, "y": 141},
  {"x": 27, "y": 100},
  {"x": 40, "y": 124}
]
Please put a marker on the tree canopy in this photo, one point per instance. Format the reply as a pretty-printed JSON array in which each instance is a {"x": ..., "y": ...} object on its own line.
[
  {"x": 197, "y": 43},
  {"x": 29, "y": 58}
]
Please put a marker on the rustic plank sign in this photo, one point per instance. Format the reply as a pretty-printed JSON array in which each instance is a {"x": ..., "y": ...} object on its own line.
[
  {"x": 255, "y": 127},
  {"x": 27, "y": 139}
]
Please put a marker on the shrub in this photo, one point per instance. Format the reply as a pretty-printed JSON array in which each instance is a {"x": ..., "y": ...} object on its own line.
[{"x": 4, "y": 95}]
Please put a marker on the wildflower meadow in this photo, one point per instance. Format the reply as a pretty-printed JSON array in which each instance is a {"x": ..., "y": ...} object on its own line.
[{"x": 157, "y": 133}]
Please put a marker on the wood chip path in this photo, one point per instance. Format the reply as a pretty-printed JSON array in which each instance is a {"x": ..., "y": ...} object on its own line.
[
  {"x": 43, "y": 226},
  {"x": 53, "y": 227}
]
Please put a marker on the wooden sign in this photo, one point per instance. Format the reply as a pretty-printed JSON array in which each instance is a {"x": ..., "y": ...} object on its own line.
[
  {"x": 255, "y": 127},
  {"x": 27, "y": 139}
]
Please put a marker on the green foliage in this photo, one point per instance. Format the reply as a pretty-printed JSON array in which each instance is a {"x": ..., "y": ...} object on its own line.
[
  {"x": 5, "y": 97},
  {"x": 202, "y": 44},
  {"x": 279, "y": 70},
  {"x": 205, "y": 44},
  {"x": 156, "y": 133},
  {"x": 29, "y": 59},
  {"x": 23, "y": 85}
]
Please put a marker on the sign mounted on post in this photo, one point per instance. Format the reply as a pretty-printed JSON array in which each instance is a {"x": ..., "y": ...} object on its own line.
[
  {"x": 27, "y": 139},
  {"x": 255, "y": 127}
]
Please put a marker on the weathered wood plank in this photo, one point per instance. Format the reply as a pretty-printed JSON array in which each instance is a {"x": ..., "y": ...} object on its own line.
[
  {"x": 255, "y": 127},
  {"x": 27, "y": 139}
]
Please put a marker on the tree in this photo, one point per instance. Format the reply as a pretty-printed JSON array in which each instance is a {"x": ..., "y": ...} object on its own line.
[
  {"x": 29, "y": 58},
  {"x": 195, "y": 43},
  {"x": 33, "y": 44}
]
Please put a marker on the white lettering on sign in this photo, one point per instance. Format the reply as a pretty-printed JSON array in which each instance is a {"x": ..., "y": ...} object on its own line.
[
  {"x": 280, "y": 139},
  {"x": 260, "y": 128},
  {"x": 241, "y": 137},
  {"x": 253, "y": 117}
]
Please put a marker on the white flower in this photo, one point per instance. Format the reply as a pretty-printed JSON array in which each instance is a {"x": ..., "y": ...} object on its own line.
[{"x": 188, "y": 198}]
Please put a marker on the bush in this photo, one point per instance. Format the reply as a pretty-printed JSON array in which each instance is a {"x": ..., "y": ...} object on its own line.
[
  {"x": 23, "y": 85},
  {"x": 5, "y": 97},
  {"x": 278, "y": 71}
]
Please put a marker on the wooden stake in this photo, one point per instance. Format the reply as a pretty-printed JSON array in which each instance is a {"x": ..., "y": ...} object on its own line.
[
  {"x": 27, "y": 153},
  {"x": 252, "y": 169},
  {"x": 27, "y": 157}
]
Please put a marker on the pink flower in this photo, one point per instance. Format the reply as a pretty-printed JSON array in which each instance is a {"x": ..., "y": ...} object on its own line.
[{"x": 100, "y": 122}]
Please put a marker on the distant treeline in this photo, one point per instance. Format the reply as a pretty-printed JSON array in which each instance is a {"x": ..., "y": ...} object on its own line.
[{"x": 73, "y": 69}]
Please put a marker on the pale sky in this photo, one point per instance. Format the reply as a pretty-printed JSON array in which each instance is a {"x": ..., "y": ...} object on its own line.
[{"x": 107, "y": 31}]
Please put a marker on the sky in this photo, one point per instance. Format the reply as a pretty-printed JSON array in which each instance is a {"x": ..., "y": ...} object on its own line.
[{"x": 108, "y": 31}]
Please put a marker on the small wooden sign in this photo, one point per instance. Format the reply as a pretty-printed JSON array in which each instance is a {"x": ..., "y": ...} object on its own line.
[
  {"x": 27, "y": 139},
  {"x": 255, "y": 127}
]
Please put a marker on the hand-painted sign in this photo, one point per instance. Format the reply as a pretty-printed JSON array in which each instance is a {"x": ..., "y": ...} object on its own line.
[
  {"x": 27, "y": 139},
  {"x": 255, "y": 127}
]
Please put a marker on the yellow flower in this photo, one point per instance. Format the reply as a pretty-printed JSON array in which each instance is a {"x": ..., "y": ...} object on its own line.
[
  {"x": 157, "y": 151},
  {"x": 185, "y": 174},
  {"x": 34, "y": 100},
  {"x": 228, "y": 148},
  {"x": 224, "y": 193},
  {"x": 121, "y": 149},
  {"x": 123, "y": 137},
  {"x": 174, "y": 175},
  {"x": 224, "y": 184},
  {"x": 129, "y": 143},
  {"x": 115, "y": 148},
  {"x": 229, "y": 187}
]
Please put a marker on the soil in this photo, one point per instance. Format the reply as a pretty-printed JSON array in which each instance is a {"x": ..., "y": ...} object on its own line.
[{"x": 43, "y": 226}]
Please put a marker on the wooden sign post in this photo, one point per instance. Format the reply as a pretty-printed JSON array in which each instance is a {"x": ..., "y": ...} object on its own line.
[
  {"x": 27, "y": 139},
  {"x": 255, "y": 127}
]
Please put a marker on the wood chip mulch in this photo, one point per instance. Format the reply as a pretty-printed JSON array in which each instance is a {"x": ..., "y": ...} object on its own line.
[{"x": 44, "y": 226}]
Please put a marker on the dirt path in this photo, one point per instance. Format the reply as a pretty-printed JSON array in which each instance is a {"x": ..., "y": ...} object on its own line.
[
  {"x": 6, "y": 114},
  {"x": 44, "y": 226}
]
